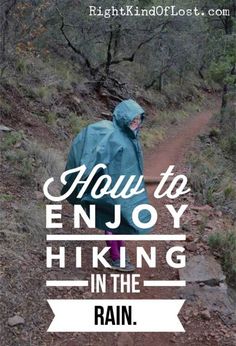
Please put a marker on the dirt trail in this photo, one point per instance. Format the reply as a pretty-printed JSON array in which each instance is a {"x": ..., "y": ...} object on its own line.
[{"x": 171, "y": 151}]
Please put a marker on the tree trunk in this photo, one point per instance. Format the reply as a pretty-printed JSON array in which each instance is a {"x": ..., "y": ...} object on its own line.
[
  {"x": 160, "y": 82},
  {"x": 223, "y": 101},
  {"x": 228, "y": 25},
  {"x": 200, "y": 72},
  {"x": 4, "y": 27}
]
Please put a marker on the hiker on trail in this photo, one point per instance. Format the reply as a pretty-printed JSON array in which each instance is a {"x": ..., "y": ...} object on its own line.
[{"x": 115, "y": 144}]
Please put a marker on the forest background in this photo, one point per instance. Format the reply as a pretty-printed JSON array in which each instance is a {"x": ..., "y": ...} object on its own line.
[{"x": 61, "y": 69}]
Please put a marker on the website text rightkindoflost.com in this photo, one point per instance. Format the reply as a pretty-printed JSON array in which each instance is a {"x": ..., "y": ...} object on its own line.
[{"x": 154, "y": 11}]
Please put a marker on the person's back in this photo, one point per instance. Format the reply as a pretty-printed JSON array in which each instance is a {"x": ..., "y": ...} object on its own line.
[{"x": 115, "y": 144}]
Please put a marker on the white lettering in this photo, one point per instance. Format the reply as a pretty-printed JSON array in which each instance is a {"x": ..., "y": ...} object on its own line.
[
  {"x": 50, "y": 216},
  {"x": 151, "y": 222},
  {"x": 181, "y": 258},
  {"x": 141, "y": 253},
  {"x": 89, "y": 220},
  {"x": 117, "y": 218},
  {"x": 98, "y": 256},
  {"x": 176, "y": 214},
  {"x": 60, "y": 257}
]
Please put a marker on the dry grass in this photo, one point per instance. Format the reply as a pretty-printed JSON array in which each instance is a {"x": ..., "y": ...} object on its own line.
[{"x": 224, "y": 244}]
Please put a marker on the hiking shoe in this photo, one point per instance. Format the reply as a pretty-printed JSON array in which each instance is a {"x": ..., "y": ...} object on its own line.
[{"x": 129, "y": 267}]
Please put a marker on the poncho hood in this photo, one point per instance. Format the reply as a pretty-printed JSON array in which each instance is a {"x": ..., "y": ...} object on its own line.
[{"x": 125, "y": 112}]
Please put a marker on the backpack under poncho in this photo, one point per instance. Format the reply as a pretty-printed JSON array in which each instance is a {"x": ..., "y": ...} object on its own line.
[{"x": 117, "y": 146}]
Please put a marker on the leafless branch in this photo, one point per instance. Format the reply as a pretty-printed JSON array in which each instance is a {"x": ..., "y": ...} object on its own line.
[
  {"x": 140, "y": 45},
  {"x": 72, "y": 46}
]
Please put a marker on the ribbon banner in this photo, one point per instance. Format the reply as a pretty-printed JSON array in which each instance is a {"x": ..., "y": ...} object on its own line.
[{"x": 116, "y": 315}]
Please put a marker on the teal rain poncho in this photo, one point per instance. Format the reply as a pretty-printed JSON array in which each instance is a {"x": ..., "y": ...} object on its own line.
[{"x": 117, "y": 146}]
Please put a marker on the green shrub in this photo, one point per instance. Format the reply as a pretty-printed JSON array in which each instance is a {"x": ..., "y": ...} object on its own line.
[
  {"x": 21, "y": 65},
  {"x": 26, "y": 169},
  {"x": 10, "y": 139},
  {"x": 174, "y": 93},
  {"x": 6, "y": 197},
  {"x": 212, "y": 180},
  {"x": 151, "y": 137},
  {"x": 45, "y": 93},
  {"x": 214, "y": 132},
  {"x": 77, "y": 123},
  {"x": 15, "y": 155},
  {"x": 33, "y": 162},
  {"x": 65, "y": 73},
  {"x": 51, "y": 118},
  {"x": 229, "y": 144},
  {"x": 30, "y": 219},
  {"x": 225, "y": 245},
  {"x": 230, "y": 192},
  {"x": 5, "y": 107},
  {"x": 47, "y": 163}
]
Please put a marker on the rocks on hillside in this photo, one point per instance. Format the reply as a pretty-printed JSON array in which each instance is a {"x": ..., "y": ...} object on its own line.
[
  {"x": 5, "y": 128},
  {"x": 202, "y": 268},
  {"x": 15, "y": 321}
]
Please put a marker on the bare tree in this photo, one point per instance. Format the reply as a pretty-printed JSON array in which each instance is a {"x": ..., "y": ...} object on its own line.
[{"x": 5, "y": 9}]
